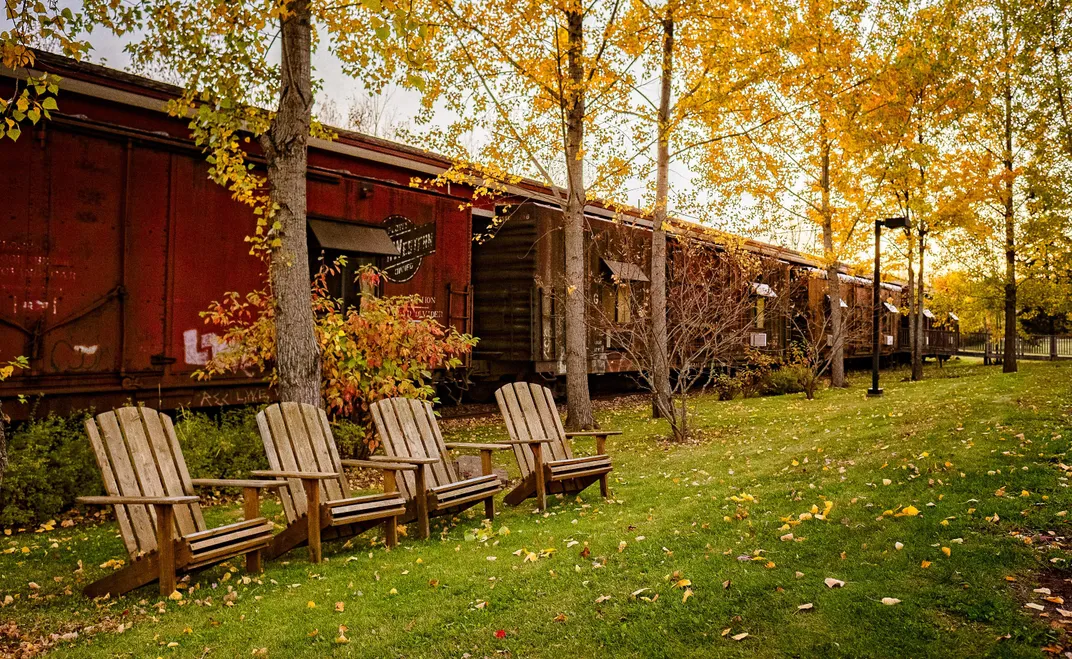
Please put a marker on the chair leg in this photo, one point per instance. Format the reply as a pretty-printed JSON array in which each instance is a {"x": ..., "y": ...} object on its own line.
[
  {"x": 165, "y": 542},
  {"x": 537, "y": 468},
  {"x": 425, "y": 529},
  {"x": 312, "y": 513},
  {"x": 390, "y": 529},
  {"x": 489, "y": 508},
  {"x": 604, "y": 490},
  {"x": 251, "y": 509}
]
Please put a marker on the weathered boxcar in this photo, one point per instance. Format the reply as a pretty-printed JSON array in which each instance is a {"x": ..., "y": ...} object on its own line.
[{"x": 113, "y": 240}]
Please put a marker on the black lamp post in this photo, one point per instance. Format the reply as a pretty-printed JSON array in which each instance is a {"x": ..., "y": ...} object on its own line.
[{"x": 876, "y": 286}]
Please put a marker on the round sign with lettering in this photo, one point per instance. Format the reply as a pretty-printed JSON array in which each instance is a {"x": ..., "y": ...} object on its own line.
[{"x": 414, "y": 242}]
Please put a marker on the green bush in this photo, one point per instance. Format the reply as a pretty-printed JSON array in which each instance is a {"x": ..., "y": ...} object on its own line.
[
  {"x": 726, "y": 386},
  {"x": 51, "y": 463},
  {"x": 222, "y": 446},
  {"x": 785, "y": 380}
]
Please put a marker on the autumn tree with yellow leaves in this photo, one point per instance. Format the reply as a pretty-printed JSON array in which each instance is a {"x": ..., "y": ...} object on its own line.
[
  {"x": 804, "y": 164},
  {"x": 700, "y": 58},
  {"x": 530, "y": 89}
]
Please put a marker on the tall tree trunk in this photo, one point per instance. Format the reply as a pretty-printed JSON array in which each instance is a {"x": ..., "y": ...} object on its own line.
[
  {"x": 661, "y": 403},
  {"x": 286, "y": 149},
  {"x": 917, "y": 363},
  {"x": 913, "y": 311},
  {"x": 1009, "y": 358},
  {"x": 833, "y": 282},
  {"x": 578, "y": 402}
]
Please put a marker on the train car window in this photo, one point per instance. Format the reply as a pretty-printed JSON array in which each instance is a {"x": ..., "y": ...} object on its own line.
[
  {"x": 760, "y": 293},
  {"x": 344, "y": 285},
  {"x": 361, "y": 245}
]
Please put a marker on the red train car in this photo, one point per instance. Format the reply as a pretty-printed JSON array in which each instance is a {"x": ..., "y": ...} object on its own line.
[{"x": 113, "y": 240}]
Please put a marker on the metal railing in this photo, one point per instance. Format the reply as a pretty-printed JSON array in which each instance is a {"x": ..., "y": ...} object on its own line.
[{"x": 1044, "y": 346}]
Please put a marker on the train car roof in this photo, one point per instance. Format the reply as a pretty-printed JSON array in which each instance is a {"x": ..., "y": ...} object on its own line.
[{"x": 129, "y": 89}]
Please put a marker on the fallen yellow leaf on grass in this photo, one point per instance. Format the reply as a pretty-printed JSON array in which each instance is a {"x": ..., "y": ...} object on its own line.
[
  {"x": 946, "y": 551},
  {"x": 925, "y": 564},
  {"x": 686, "y": 596},
  {"x": 908, "y": 511},
  {"x": 340, "y": 606},
  {"x": 683, "y": 583},
  {"x": 740, "y": 637},
  {"x": 890, "y": 601}
]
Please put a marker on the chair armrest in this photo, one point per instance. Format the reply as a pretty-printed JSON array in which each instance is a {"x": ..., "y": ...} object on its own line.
[
  {"x": 231, "y": 482},
  {"x": 593, "y": 433},
  {"x": 304, "y": 475},
  {"x": 476, "y": 446},
  {"x": 379, "y": 464},
  {"x": 158, "y": 501},
  {"x": 412, "y": 461},
  {"x": 526, "y": 442}
]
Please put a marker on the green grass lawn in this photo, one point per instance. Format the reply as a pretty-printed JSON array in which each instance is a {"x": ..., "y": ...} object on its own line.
[{"x": 978, "y": 453}]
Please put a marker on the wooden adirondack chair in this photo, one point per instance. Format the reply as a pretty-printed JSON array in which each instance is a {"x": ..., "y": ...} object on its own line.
[
  {"x": 159, "y": 516},
  {"x": 409, "y": 434},
  {"x": 301, "y": 450},
  {"x": 532, "y": 421}
]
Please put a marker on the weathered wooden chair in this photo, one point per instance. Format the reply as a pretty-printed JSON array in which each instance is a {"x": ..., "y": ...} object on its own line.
[
  {"x": 532, "y": 420},
  {"x": 159, "y": 516},
  {"x": 301, "y": 450},
  {"x": 410, "y": 434}
]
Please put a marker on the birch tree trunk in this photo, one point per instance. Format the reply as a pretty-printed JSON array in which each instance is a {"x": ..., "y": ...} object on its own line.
[
  {"x": 578, "y": 402},
  {"x": 1009, "y": 358},
  {"x": 661, "y": 402},
  {"x": 833, "y": 282},
  {"x": 285, "y": 146}
]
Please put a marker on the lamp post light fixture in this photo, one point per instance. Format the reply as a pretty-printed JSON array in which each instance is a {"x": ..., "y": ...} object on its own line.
[{"x": 876, "y": 288}]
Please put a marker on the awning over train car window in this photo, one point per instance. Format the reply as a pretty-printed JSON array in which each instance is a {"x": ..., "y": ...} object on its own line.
[
  {"x": 352, "y": 237},
  {"x": 763, "y": 290},
  {"x": 928, "y": 313},
  {"x": 889, "y": 307},
  {"x": 954, "y": 317},
  {"x": 625, "y": 271}
]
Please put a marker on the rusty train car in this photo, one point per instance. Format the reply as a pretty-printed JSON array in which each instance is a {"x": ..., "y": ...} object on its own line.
[{"x": 113, "y": 241}]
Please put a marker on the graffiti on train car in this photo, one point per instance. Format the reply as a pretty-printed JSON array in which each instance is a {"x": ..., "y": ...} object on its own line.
[
  {"x": 66, "y": 357},
  {"x": 236, "y": 396},
  {"x": 413, "y": 243},
  {"x": 199, "y": 348}
]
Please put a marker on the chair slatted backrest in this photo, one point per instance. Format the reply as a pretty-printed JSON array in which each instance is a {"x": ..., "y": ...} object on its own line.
[
  {"x": 408, "y": 429},
  {"x": 139, "y": 455},
  {"x": 530, "y": 413},
  {"x": 297, "y": 437}
]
